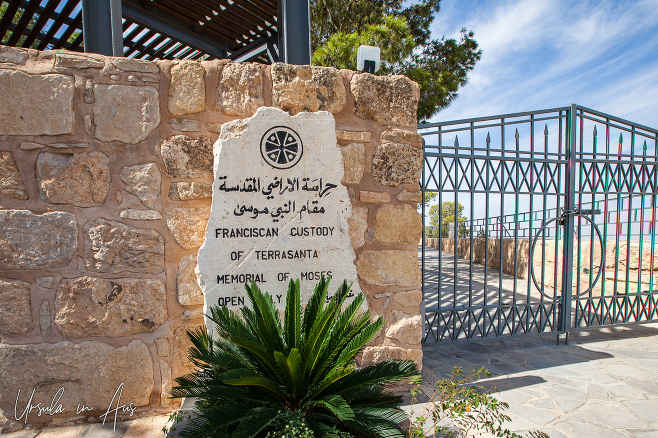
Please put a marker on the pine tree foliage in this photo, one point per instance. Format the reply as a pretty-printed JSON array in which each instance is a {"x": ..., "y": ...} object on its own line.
[
  {"x": 262, "y": 365},
  {"x": 402, "y": 30}
]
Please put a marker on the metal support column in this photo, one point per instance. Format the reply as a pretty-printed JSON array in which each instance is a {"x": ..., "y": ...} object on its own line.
[
  {"x": 294, "y": 28},
  {"x": 102, "y": 28},
  {"x": 564, "y": 315},
  {"x": 422, "y": 242}
]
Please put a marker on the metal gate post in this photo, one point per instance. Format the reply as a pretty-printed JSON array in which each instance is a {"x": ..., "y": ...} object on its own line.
[
  {"x": 564, "y": 314},
  {"x": 422, "y": 261}
]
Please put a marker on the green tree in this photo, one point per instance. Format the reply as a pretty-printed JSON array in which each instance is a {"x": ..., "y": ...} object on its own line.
[
  {"x": 402, "y": 31},
  {"x": 442, "y": 216},
  {"x": 30, "y": 25},
  {"x": 429, "y": 197},
  {"x": 17, "y": 16}
]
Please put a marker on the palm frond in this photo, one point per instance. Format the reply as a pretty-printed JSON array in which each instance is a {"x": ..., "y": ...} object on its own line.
[{"x": 258, "y": 366}]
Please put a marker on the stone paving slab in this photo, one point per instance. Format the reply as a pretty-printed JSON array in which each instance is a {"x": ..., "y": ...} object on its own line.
[
  {"x": 144, "y": 427},
  {"x": 603, "y": 383}
]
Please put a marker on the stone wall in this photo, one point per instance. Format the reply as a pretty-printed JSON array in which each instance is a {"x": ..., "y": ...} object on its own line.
[
  {"x": 617, "y": 258},
  {"x": 105, "y": 189}
]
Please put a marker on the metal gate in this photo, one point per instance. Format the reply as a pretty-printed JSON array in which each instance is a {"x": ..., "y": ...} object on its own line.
[{"x": 543, "y": 221}]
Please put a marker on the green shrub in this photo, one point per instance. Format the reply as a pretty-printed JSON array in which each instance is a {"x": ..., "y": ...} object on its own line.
[
  {"x": 471, "y": 408},
  {"x": 257, "y": 367},
  {"x": 290, "y": 424}
]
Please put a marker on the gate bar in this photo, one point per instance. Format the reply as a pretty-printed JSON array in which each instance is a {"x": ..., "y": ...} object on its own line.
[{"x": 564, "y": 323}]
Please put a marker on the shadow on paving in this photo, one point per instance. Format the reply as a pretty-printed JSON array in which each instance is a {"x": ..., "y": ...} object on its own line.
[{"x": 525, "y": 353}]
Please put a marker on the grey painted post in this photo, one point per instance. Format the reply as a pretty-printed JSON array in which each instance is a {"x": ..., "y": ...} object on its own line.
[
  {"x": 294, "y": 32},
  {"x": 564, "y": 315},
  {"x": 102, "y": 28}
]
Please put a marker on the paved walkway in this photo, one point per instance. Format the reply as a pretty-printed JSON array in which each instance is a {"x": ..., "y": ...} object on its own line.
[
  {"x": 603, "y": 383},
  {"x": 457, "y": 283}
]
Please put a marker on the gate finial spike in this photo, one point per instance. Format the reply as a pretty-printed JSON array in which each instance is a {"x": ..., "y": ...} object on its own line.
[
  {"x": 488, "y": 139},
  {"x": 644, "y": 147},
  {"x": 595, "y": 133},
  {"x": 456, "y": 141},
  {"x": 516, "y": 133},
  {"x": 621, "y": 138},
  {"x": 546, "y": 129}
]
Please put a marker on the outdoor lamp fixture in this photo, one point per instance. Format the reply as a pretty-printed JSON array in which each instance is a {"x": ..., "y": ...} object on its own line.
[{"x": 367, "y": 59}]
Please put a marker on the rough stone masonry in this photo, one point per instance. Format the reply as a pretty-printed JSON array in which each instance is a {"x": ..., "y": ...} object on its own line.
[{"x": 106, "y": 172}]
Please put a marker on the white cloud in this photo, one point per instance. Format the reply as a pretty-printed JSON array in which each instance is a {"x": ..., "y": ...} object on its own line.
[{"x": 540, "y": 53}]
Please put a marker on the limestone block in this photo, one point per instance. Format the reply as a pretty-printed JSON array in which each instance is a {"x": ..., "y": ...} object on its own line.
[
  {"x": 68, "y": 145},
  {"x": 192, "y": 314},
  {"x": 13, "y": 55},
  {"x": 113, "y": 247},
  {"x": 354, "y": 159},
  {"x": 28, "y": 146},
  {"x": 135, "y": 65},
  {"x": 88, "y": 94},
  {"x": 394, "y": 164},
  {"x": 187, "y": 89},
  {"x": 629, "y": 255},
  {"x": 405, "y": 328},
  {"x": 358, "y": 224},
  {"x": 299, "y": 212},
  {"x": 358, "y": 136},
  {"x": 86, "y": 120},
  {"x": 188, "y": 225},
  {"x": 187, "y": 191},
  {"x": 406, "y": 196},
  {"x": 46, "y": 282},
  {"x": 90, "y": 371},
  {"x": 398, "y": 223},
  {"x": 297, "y": 88},
  {"x": 214, "y": 127},
  {"x": 240, "y": 89},
  {"x": 389, "y": 268},
  {"x": 78, "y": 60},
  {"x": 15, "y": 310},
  {"x": 387, "y": 100},
  {"x": 143, "y": 181},
  {"x": 81, "y": 179},
  {"x": 162, "y": 345},
  {"x": 187, "y": 287},
  {"x": 140, "y": 215},
  {"x": 372, "y": 355},
  {"x": 92, "y": 306},
  {"x": 11, "y": 184},
  {"x": 373, "y": 197},
  {"x": 125, "y": 113},
  {"x": 185, "y": 125},
  {"x": 165, "y": 383},
  {"x": 181, "y": 345},
  {"x": 397, "y": 136},
  {"x": 407, "y": 300},
  {"x": 44, "y": 319},
  {"x": 36, "y": 104},
  {"x": 36, "y": 241},
  {"x": 187, "y": 157}
]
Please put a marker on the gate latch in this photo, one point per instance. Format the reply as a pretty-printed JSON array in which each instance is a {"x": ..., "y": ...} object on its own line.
[{"x": 576, "y": 212}]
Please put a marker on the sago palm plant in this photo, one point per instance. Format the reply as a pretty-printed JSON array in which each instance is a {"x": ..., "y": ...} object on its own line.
[{"x": 257, "y": 370}]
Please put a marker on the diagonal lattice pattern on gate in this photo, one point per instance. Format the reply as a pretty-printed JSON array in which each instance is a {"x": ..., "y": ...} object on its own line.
[{"x": 544, "y": 222}]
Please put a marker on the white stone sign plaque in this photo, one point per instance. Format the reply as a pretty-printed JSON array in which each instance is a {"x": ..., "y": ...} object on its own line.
[{"x": 279, "y": 210}]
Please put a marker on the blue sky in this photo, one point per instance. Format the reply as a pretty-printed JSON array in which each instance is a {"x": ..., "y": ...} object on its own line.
[{"x": 547, "y": 53}]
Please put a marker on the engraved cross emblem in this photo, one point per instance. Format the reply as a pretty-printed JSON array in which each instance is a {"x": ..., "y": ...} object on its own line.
[{"x": 281, "y": 147}]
